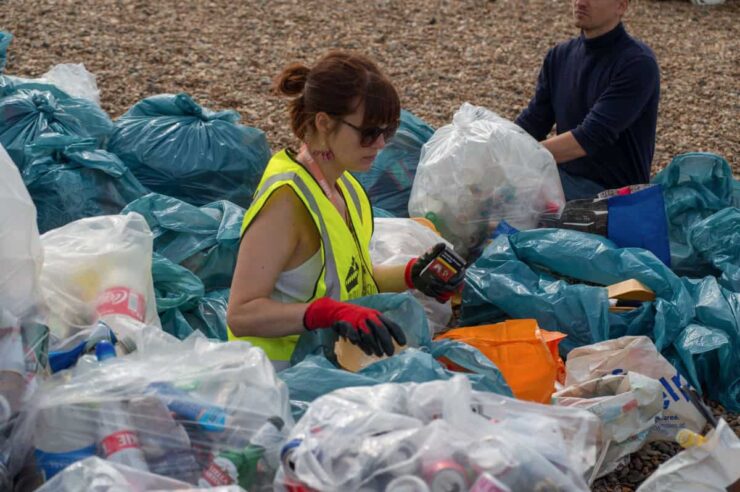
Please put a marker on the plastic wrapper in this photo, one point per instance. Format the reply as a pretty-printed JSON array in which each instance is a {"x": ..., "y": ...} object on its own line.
[
  {"x": 711, "y": 466},
  {"x": 202, "y": 412},
  {"x": 638, "y": 354},
  {"x": 479, "y": 170},
  {"x": 695, "y": 186},
  {"x": 395, "y": 242},
  {"x": 26, "y": 114},
  {"x": 627, "y": 405},
  {"x": 69, "y": 178},
  {"x": 75, "y": 80},
  {"x": 204, "y": 240},
  {"x": 389, "y": 180},
  {"x": 98, "y": 269},
  {"x": 180, "y": 149},
  {"x": 716, "y": 240},
  {"x": 21, "y": 255},
  {"x": 429, "y": 435}
]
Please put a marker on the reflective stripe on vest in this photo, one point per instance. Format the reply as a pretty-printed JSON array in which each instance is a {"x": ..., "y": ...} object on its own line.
[{"x": 283, "y": 170}]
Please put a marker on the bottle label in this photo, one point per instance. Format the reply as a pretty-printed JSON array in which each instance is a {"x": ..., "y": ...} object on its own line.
[
  {"x": 122, "y": 300},
  {"x": 220, "y": 471},
  {"x": 49, "y": 464},
  {"x": 119, "y": 441}
]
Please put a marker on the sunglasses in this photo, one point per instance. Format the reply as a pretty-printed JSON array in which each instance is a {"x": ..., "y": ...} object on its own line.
[{"x": 369, "y": 135}]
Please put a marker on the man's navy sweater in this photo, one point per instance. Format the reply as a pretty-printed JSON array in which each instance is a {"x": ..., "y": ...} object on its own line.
[{"x": 605, "y": 90}]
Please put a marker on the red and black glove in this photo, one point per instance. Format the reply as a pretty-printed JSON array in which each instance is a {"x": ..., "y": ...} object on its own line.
[
  {"x": 364, "y": 327},
  {"x": 431, "y": 285}
]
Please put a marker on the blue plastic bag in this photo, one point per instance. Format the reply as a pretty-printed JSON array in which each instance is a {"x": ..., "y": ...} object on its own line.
[
  {"x": 638, "y": 220},
  {"x": 314, "y": 372},
  {"x": 205, "y": 240},
  {"x": 180, "y": 149},
  {"x": 70, "y": 179},
  {"x": 5, "y": 39},
  {"x": 389, "y": 180},
  {"x": 716, "y": 240},
  {"x": 379, "y": 213},
  {"x": 27, "y": 114},
  {"x": 695, "y": 186}
]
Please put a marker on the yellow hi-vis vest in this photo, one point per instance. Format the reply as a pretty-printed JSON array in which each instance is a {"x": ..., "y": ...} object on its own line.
[{"x": 346, "y": 271}]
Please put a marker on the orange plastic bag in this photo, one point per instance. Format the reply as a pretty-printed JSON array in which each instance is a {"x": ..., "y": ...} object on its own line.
[{"x": 526, "y": 355}]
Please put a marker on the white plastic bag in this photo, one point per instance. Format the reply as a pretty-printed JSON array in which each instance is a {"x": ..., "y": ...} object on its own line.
[
  {"x": 395, "y": 242},
  {"x": 21, "y": 255},
  {"x": 713, "y": 466},
  {"x": 75, "y": 80},
  {"x": 187, "y": 410},
  {"x": 479, "y": 170},
  {"x": 427, "y": 436},
  {"x": 99, "y": 268},
  {"x": 638, "y": 354},
  {"x": 627, "y": 405}
]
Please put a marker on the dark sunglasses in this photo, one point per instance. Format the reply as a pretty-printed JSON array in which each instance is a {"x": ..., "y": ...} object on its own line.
[{"x": 369, "y": 135}]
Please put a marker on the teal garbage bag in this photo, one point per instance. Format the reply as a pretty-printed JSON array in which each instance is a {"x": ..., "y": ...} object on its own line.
[
  {"x": 389, "y": 180},
  {"x": 69, "y": 178},
  {"x": 716, "y": 240},
  {"x": 182, "y": 303},
  {"x": 205, "y": 240},
  {"x": 523, "y": 276},
  {"x": 314, "y": 371},
  {"x": 382, "y": 214},
  {"x": 695, "y": 186},
  {"x": 27, "y": 114},
  {"x": 5, "y": 39},
  {"x": 180, "y": 149}
]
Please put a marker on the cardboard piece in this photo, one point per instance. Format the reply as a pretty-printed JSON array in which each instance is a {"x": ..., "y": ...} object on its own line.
[{"x": 352, "y": 358}]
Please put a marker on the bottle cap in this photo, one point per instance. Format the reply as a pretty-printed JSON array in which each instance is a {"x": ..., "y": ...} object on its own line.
[{"x": 104, "y": 350}]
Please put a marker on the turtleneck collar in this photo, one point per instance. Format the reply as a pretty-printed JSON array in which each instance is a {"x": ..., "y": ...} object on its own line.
[{"x": 605, "y": 40}]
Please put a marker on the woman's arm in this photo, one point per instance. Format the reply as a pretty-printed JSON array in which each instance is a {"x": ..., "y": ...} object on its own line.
[
  {"x": 268, "y": 246},
  {"x": 390, "y": 278}
]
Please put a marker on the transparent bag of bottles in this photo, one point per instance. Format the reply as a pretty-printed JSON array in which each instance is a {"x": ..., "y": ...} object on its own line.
[
  {"x": 434, "y": 437},
  {"x": 202, "y": 412}
]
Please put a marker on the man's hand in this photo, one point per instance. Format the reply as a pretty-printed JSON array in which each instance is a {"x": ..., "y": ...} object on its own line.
[{"x": 564, "y": 147}]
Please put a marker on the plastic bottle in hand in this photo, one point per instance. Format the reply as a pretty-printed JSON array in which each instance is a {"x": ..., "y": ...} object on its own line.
[{"x": 119, "y": 441}]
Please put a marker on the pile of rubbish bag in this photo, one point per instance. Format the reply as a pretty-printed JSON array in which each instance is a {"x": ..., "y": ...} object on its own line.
[{"x": 118, "y": 245}]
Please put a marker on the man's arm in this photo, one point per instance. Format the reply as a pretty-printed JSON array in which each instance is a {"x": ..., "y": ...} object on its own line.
[
  {"x": 537, "y": 118},
  {"x": 564, "y": 147},
  {"x": 618, "y": 107}
]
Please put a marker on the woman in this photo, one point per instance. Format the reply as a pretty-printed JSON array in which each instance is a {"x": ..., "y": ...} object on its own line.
[{"x": 305, "y": 238}]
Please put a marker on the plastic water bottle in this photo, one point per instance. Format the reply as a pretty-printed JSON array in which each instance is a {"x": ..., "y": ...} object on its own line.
[
  {"x": 64, "y": 434},
  {"x": 119, "y": 441},
  {"x": 208, "y": 417},
  {"x": 122, "y": 301}
]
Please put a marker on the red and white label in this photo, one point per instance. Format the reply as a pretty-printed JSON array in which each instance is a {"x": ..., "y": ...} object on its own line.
[
  {"x": 122, "y": 300},
  {"x": 216, "y": 475},
  {"x": 119, "y": 441}
]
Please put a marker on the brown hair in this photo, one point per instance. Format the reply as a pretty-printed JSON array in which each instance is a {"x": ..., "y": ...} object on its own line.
[{"x": 337, "y": 84}]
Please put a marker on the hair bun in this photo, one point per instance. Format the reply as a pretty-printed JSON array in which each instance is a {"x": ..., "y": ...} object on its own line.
[{"x": 292, "y": 80}]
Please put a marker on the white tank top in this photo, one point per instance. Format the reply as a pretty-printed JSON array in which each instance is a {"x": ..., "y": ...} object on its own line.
[{"x": 297, "y": 285}]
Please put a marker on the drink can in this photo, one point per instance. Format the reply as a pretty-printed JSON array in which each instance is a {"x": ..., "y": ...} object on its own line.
[
  {"x": 446, "y": 476},
  {"x": 408, "y": 483},
  {"x": 488, "y": 483}
]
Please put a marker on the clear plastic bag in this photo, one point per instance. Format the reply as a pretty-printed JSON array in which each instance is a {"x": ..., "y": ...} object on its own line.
[
  {"x": 479, "y": 170},
  {"x": 21, "y": 255},
  {"x": 627, "y": 405},
  {"x": 75, "y": 80},
  {"x": 99, "y": 269},
  {"x": 395, "y": 242},
  {"x": 638, "y": 354},
  {"x": 202, "y": 412},
  {"x": 426, "y": 435}
]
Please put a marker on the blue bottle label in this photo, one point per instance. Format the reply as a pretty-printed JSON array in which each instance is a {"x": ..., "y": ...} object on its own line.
[{"x": 52, "y": 463}]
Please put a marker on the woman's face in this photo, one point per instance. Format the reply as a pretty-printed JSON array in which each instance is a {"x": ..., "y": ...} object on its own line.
[{"x": 346, "y": 142}]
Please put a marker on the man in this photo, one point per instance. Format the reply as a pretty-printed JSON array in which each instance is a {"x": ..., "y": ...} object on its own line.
[{"x": 601, "y": 90}]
